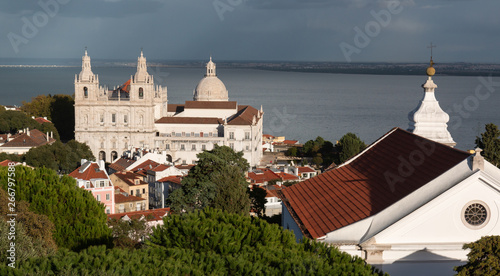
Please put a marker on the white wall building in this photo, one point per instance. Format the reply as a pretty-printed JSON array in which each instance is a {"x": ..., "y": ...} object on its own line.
[{"x": 137, "y": 115}]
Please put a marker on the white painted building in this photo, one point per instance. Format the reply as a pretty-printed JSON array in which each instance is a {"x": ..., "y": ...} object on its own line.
[{"x": 137, "y": 115}]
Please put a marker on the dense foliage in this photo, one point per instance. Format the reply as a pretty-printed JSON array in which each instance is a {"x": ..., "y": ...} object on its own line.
[
  {"x": 79, "y": 220},
  {"x": 129, "y": 233},
  {"x": 483, "y": 259},
  {"x": 33, "y": 231},
  {"x": 12, "y": 121},
  {"x": 324, "y": 153},
  {"x": 258, "y": 201},
  {"x": 489, "y": 142},
  {"x": 58, "y": 109},
  {"x": 348, "y": 146},
  {"x": 58, "y": 156},
  {"x": 205, "y": 242},
  {"x": 217, "y": 180}
]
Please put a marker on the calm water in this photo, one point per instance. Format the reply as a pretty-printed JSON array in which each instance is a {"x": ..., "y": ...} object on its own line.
[{"x": 298, "y": 105}]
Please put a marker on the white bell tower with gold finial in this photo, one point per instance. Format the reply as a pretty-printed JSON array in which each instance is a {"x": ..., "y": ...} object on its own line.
[{"x": 428, "y": 119}]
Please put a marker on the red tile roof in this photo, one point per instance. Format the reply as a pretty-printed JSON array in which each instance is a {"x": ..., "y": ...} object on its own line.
[
  {"x": 173, "y": 178},
  {"x": 121, "y": 164},
  {"x": 121, "y": 198},
  {"x": 189, "y": 120},
  {"x": 35, "y": 138},
  {"x": 146, "y": 165},
  {"x": 91, "y": 172},
  {"x": 305, "y": 170},
  {"x": 263, "y": 175},
  {"x": 267, "y": 136},
  {"x": 160, "y": 168},
  {"x": 129, "y": 178},
  {"x": 150, "y": 215},
  {"x": 184, "y": 167},
  {"x": 360, "y": 188},
  {"x": 42, "y": 120},
  {"x": 126, "y": 87},
  {"x": 177, "y": 108},
  {"x": 290, "y": 142},
  {"x": 5, "y": 163},
  {"x": 210, "y": 105},
  {"x": 244, "y": 116}
]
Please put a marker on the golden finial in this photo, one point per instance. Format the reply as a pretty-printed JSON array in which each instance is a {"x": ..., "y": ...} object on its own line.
[{"x": 430, "y": 70}]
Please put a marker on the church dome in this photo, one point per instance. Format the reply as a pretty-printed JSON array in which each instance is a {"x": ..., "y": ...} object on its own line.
[{"x": 210, "y": 88}]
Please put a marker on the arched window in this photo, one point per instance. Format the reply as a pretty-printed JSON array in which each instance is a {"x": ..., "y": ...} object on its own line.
[
  {"x": 114, "y": 155},
  {"x": 102, "y": 156},
  {"x": 85, "y": 92},
  {"x": 141, "y": 93},
  {"x": 169, "y": 158}
]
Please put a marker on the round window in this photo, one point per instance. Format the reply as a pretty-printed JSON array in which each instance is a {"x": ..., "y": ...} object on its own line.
[{"x": 475, "y": 214}]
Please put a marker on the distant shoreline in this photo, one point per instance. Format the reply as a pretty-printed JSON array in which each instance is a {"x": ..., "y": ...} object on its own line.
[{"x": 371, "y": 68}]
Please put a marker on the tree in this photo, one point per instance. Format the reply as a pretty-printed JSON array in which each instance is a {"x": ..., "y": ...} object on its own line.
[
  {"x": 217, "y": 180},
  {"x": 489, "y": 142},
  {"x": 129, "y": 233},
  {"x": 205, "y": 242},
  {"x": 348, "y": 146},
  {"x": 58, "y": 156},
  {"x": 12, "y": 121},
  {"x": 79, "y": 219},
  {"x": 291, "y": 151},
  {"x": 58, "y": 109},
  {"x": 258, "y": 200},
  {"x": 483, "y": 259}
]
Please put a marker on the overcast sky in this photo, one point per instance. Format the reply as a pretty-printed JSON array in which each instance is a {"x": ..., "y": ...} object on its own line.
[{"x": 296, "y": 30}]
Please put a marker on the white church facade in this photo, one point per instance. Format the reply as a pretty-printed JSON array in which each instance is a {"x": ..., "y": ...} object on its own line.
[
  {"x": 137, "y": 115},
  {"x": 407, "y": 203}
]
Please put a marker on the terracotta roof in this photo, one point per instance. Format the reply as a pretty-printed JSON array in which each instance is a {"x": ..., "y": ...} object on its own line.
[
  {"x": 189, "y": 120},
  {"x": 364, "y": 186},
  {"x": 150, "y": 215},
  {"x": 35, "y": 138},
  {"x": 5, "y": 163},
  {"x": 184, "y": 167},
  {"x": 244, "y": 116},
  {"x": 290, "y": 142},
  {"x": 263, "y": 175},
  {"x": 129, "y": 178},
  {"x": 146, "y": 165},
  {"x": 267, "y": 136},
  {"x": 120, "y": 198},
  {"x": 305, "y": 170},
  {"x": 177, "y": 108},
  {"x": 287, "y": 176},
  {"x": 121, "y": 164},
  {"x": 3, "y": 138},
  {"x": 42, "y": 120},
  {"x": 173, "y": 178},
  {"x": 210, "y": 105},
  {"x": 91, "y": 172},
  {"x": 160, "y": 168}
]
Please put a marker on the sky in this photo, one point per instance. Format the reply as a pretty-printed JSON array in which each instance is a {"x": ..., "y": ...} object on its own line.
[{"x": 253, "y": 30}]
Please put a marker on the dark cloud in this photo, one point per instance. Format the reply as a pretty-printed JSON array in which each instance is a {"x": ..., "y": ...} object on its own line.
[{"x": 87, "y": 8}]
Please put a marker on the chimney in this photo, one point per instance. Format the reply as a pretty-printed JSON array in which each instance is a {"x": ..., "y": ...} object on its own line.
[
  {"x": 51, "y": 134},
  {"x": 47, "y": 136},
  {"x": 101, "y": 165},
  {"x": 477, "y": 160},
  {"x": 83, "y": 161},
  {"x": 28, "y": 131}
]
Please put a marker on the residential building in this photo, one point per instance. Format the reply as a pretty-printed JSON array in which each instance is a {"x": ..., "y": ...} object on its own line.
[
  {"x": 24, "y": 140},
  {"x": 153, "y": 217},
  {"x": 132, "y": 184},
  {"x": 125, "y": 202},
  {"x": 92, "y": 176}
]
